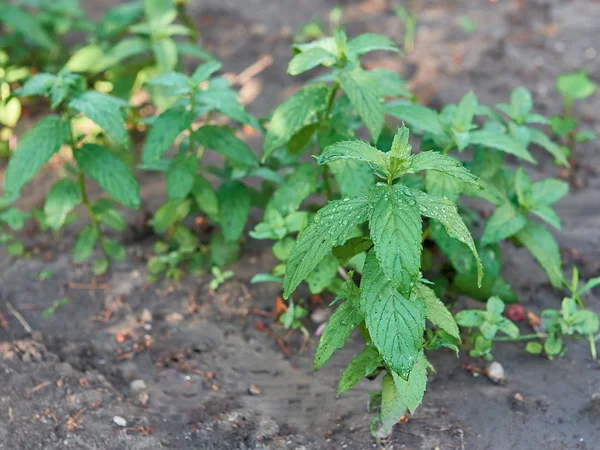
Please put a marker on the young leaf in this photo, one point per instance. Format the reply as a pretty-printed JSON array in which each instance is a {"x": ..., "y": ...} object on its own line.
[
  {"x": 181, "y": 176},
  {"x": 115, "y": 251},
  {"x": 33, "y": 150},
  {"x": 446, "y": 213},
  {"x": 522, "y": 186},
  {"x": 358, "y": 150},
  {"x": 205, "y": 197},
  {"x": 547, "y": 214},
  {"x": 222, "y": 140},
  {"x": 340, "y": 325},
  {"x": 548, "y": 191},
  {"x": 415, "y": 115},
  {"x": 364, "y": 364},
  {"x": 36, "y": 85},
  {"x": 465, "y": 111},
  {"x": 521, "y": 103},
  {"x": 84, "y": 246},
  {"x": 63, "y": 196},
  {"x": 500, "y": 141},
  {"x": 442, "y": 185},
  {"x": 411, "y": 391},
  {"x": 104, "y": 111},
  {"x": 392, "y": 85},
  {"x": 392, "y": 409},
  {"x": 290, "y": 195},
  {"x": 300, "y": 110},
  {"x": 170, "y": 213},
  {"x": 395, "y": 323},
  {"x": 204, "y": 71},
  {"x": 164, "y": 131},
  {"x": 369, "y": 42},
  {"x": 575, "y": 85},
  {"x": 436, "y": 311},
  {"x": 544, "y": 248},
  {"x": 110, "y": 172},
  {"x": 26, "y": 25},
  {"x": 309, "y": 59},
  {"x": 323, "y": 275},
  {"x": 470, "y": 318},
  {"x": 331, "y": 226},
  {"x": 175, "y": 83},
  {"x": 363, "y": 91},
  {"x": 353, "y": 178},
  {"x": 503, "y": 223},
  {"x": 395, "y": 226},
  {"x": 234, "y": 207},
  {"x": 221, "y": 97},
  {"x": 439, "y": 162}
]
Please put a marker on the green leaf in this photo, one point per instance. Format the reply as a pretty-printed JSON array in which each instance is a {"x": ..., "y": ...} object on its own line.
[
  {"x": 181, "y": 176},
  {"x": 165, "y": 54},
  {"x": 575, "y": 85},
  {"x": 323, "y": 275},
  {"x": 548, "y": 191},
  {"x": 234, "y": 207},
  {"x": 33, "y": 150},
  {"x": 508, "y": 327},
  {"x": 364, "y": 94},
  {"x": 442, "y": 185},
  {"x": 369, "y": 42},
  {"x": 392, "y": 409},
  {"x": 411, "y": 391},
  {"x": 125, "y": 48},
  {"x": 301, "y": 109},
  {"x": 100, "y": 266},
  {"x": 169, "y": 213},
  {"x": 105, "y": 211},
  {"x": 104, "y": 111},
  {"x": 589, "y": 285},
  {"x": 436, "y": 311},
  {"x": 547, "y": 214},
  {"x": 290, "y": 195},
  {"x": 364, "y": 364},
  {"x": 110, "y": 172},
  {"x": 26, "y": 25},
  {"x": 352, "y": 247},
  {"x": 331, "y": 226},
  {"x": 63, "y": 196},
  {"x": 309, "y": 59},
  {"x": 205, "y": 197},
  {"x": 500, "y": 141},
  {"x": 553, "y": 345},
  {"x": 158, "y": 11},
  {"x": 400, "y": 149},
  {"x": 353, "y": 178},
  {"x": 36, "y": 85},
  {"x": 395, "y": 226},
  {"x": 521, "y": 103},
  {"x": 340, "y": 325},
  {"x": 84, "y": 59},
  {"x": 534, "y": 348},
  {"x": 84, "y": 246},
  {"x": 395, "y": 323},
  {"x": 299, "y": 141},
  {"x": 15, "y": 248},
  {"x": 522, "y": 186},
  {"x": 116, "y": 20},
  {"x": 439, "y": 162},
  {"x": 188, "y": 49},
  {"x": 469, "y": 318},
  {"x": 164, "y": 131},
  {"x": 505, "y": 222},
  {"x": 464, "y": 113},
  {"x": 358, "y": 150},
  {"x": 221, "y": 97},
  {"x": 222, "y": 140},
  {"x": 446, "y": 213},
  {"x": 204, "y": 71},
  {"x": 115, "y": 251},
  {"x": 392, "y": 85},
  {"x": 415, "y": 115},
  {"x": 544, "y": 248},
  {"x": 175, "y": 83}
]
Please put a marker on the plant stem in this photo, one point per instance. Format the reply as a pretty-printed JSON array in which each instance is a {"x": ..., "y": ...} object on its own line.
[
  {"x": 334, "y": 88},
  {"x": 326, "y": 184},
  {"x": 191, "y": 130},
  {"x": 524, "y": 337},
  {"x": 200, "y": 151},
  {"x": 448, "y": 147}
]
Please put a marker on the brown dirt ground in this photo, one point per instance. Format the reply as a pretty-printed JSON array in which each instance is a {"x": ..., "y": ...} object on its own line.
[{"x": 198, "y": 352}]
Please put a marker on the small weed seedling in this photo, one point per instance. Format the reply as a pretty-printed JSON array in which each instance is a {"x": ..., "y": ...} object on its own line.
[
  {"x": 219, "y": 277},
  {"x": 292, "y": 318},
  {"x": 50, "y": 310}
]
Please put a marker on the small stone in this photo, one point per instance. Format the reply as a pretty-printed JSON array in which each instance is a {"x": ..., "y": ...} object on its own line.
[
  {"x": 146, "y": 316},
  {"x": 495, "y": 372},
  {"x": 267, "y": 428},
  {"x": 143, "y": 398},
  {"x": 137, "y": 385},
  {"x": 174, "y": 318},
  {"x": 119, "y": 421},
  {"x": 254, "y": 390},
  {"x": 320, "y": 315}
]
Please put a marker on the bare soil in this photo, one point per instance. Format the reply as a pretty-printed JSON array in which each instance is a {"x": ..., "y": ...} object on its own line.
[{"x": 193, "y": 354}]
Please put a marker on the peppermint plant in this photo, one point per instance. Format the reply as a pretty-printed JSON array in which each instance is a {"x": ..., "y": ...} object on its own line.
[
  {"x": 96, "y": 159},
  {"x": 392, "y": 301}
]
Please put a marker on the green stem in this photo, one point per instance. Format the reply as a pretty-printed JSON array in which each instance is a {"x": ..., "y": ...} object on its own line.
[
  {"x": 200, "y": 151},
  {"x": 334, "y": 88},
  {"x": 523, "y": 337},
  {"x": 448, "y": 147},
  {"x": 325, "y": 173},
  {"x": 189, "y": 23},
  {"x": 191, "y": 130}
]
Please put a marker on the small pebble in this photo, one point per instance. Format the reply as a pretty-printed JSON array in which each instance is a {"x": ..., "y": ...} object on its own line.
[
  {"x": 254, "y": 390},
  {"x": 137, "y": 385},
  {"x": 146, "y": 316},
  {"x": 174, "y": 318},
  {"x": 495, "y": 372},
  {"x": 144, "y": 397},
  {"x": 119, "y": 421},
  {"x": 320, "y": 315}
]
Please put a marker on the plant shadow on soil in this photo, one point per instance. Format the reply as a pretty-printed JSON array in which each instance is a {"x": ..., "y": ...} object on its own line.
[{"x": 198, "y": 352}]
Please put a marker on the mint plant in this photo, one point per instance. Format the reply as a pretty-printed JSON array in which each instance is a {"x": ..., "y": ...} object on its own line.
[{"x": 96, "y": 160}]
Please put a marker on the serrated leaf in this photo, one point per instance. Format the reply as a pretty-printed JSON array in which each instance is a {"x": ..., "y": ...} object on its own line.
[
  {"x": 309, "y": 59},
  {"x": 436, "y": 311},
  {"x": 391, "y": 84},
  {"x": 300, "y": 110},
  {"x": 364, "y": 94},
  {"x": 522, "y": 186},
  {"x": 548, "y": 191},
  {"x": 204, "y": 71},
  {"x": 416, "y": 115},
  {"x": 323, "y": 275},
  {"x": 392, "y": 409},
  {"x": 104, "y": 111},
  {"x": 469, "y": 318},
  {"x": 442, "y": 185},
  {"x": 396, "y": 226},
  {"x": 395, "y": 323},
  {"x": 411, "y": 391},
  {"x": 84, "y": 246},
  {"x": 301, "y": 139},
  {"x": 84, "y": 59},
  {"x": 164, "y": 131},
  {"x": 575, "y": 85},
  {"x": 122, "y": 50},
  {"x": 165, "y": 53},
  {"x": 33, "y": 150},
  {"x": 223, "y": 252},
  {"x": 340, "y": 325},
  {"x": 105, "y": 211},
  {"x": 464, "y": 113},
  {"x": 358, "y": 150},
  {"x": 439, "y": 162},
  {"x": 222, "y": 140},
  {"x": 169, "y": 213},
  {"x": 369, "y": 42},
  {"x": 521, "y": 103},
  {"x": 206, "y": 197},
  {"x": 181, "y": 176},
  {"x": 353, "y": 178},
  {"x": 175, "y": 83},
  {"x": 365, "y": 363},
  {"x": 234, "y": 207},
  {"x": 116, "y": 20},
  {"x": 352, "y": 247},
  {"x": 446, "y": 213},
  {"x": 63, "y": 196},
  {"x": 110, "y": 172},
  {"x": 115, "y": 251},
  {"x": 547, "y": 214},
  {"x": 36, "y": 85},
  {"x": 290, "y": 195},
  {"x": 544, "y": 248},
  {"x": 503, "y": 223},
  {"x": 26, "y": 25},
  {"x": 502, "y": 142},
  {"x": 331, "y": 226}
]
